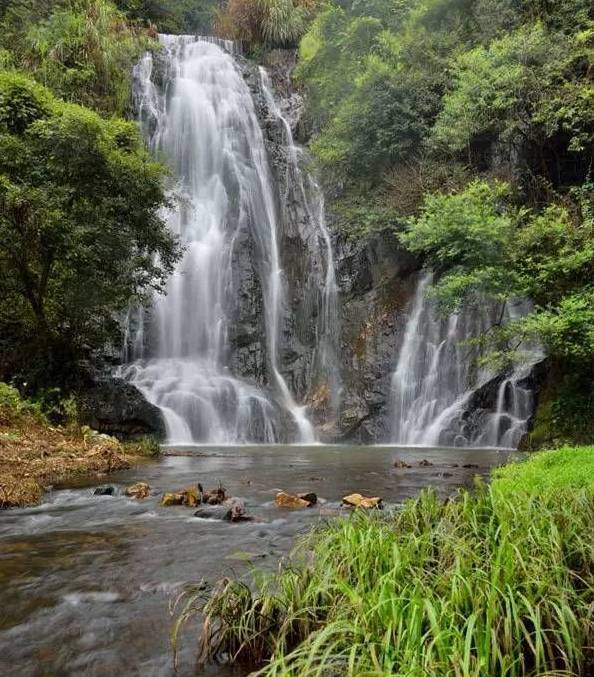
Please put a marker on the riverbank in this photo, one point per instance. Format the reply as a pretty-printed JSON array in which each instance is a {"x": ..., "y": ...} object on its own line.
[
  {"x": 499, "y": 580},
  {"x": 35, "y": 454}
]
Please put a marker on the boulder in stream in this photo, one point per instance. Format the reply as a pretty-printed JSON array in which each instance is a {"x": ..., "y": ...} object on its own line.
[
  {"x": 360, "y": 501},
  {"x": 104, "y": 491},
  {"x": 401, "y": 464},
  {"x": 284, "y": 500},
  {"x": 172, "y": 498},
  {"x": 215, "y": 496},
  {"x": 232, "y": 510},
  {"x": 236, "y": 511},
  {"x": 190, "y": 496},
  {"x": 138, "y": 490}
]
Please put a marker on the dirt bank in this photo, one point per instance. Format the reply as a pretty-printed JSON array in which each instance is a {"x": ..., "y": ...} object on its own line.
[{"x": 35, "y": 455}]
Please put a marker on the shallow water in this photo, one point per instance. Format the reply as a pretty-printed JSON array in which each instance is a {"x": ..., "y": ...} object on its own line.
[{"x": 86, "y": 581}]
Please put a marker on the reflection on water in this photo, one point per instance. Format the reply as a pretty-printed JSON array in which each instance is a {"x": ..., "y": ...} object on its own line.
[{"x": 85, "y": 581}]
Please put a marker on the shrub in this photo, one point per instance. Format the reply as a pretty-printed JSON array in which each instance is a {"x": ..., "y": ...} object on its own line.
[{"x": 271, "y": 23}]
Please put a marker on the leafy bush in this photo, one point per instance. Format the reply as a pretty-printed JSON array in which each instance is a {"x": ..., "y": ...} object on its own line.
[
  {"x": 83, "y": 50},
  {"x": 486, "y": 247},
  {"x": 10, "y": 397}
]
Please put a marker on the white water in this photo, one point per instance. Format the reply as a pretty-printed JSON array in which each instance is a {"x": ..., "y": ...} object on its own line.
[
  {"x": 204, "y": 125},
  {"x": 436, "y": 376}
]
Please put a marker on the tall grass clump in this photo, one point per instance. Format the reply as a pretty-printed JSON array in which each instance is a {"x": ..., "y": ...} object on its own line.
[
  {"x": 264, "y": 23},
  {"x": 492, "y": 582},
  {"x": 83, "y": 50}
]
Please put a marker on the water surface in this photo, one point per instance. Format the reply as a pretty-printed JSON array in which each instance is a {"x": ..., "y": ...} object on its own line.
[{"x": 86, "y": 581}]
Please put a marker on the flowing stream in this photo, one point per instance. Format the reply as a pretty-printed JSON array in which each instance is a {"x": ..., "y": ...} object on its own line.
[
  {"x": 86, "y": 581},
  {"x": 202, "y": 121}
]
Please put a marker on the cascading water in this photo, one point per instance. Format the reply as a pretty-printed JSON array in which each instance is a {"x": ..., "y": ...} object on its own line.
[
  {"x": 203, "y": 122},
  {"x": 436, "y": 377},
  {"x": 302, "y": 188}
]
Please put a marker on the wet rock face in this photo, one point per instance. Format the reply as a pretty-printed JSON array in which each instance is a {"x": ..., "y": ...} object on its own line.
[
  {"x": 376, "y": 280},
  {"x": 299, "y": 241},
  {"x": 118, "y": 408},
  {"x": 247, "y": 330},
  {"x": 374, "y": 277}
]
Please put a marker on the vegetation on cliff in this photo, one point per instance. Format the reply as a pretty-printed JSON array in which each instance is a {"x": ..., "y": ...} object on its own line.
[
  {"x": 467, "y": 126},
  {"x": 496, "y": 581}
]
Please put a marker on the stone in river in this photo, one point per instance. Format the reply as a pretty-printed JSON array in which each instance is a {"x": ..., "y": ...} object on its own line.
[
  {"x": 310, "y": 497},
  {"x": 190, "y": 496},
  {"x": 401, "y": 464},
  {"x": 232, "y": 510},
  {"x": 172, "y": 498},
  {"x": 104, "y": 491},
  {"x": 236, "y": 511},
  {"x": 214, "y": 496},
  {"x": 138, "y": 490},
  {"x": 360, "y": 501},
  {"x": 284, "y": 500},
  {"x": 425, "y": 462}
]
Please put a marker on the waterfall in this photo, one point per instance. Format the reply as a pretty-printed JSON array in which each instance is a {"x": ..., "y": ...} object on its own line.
[
  {"x": 302, "y": 187},
  {"x": 202, "y": 122},
  {"x": 436, "y": 377}
]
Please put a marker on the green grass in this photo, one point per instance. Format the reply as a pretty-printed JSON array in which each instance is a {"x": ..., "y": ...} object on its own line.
[
  {"x": 498, "y": 581},
  {"x": 564, "y": 469}
]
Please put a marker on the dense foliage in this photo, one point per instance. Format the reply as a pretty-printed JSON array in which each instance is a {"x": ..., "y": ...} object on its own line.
[
  {"x": 469, "y": 125},
  {"x": 80, "y": 231},
  {"x": 83, "y": 50},
  {"x": 172, "y": 16},
  {"x": 495, "y": 582}
]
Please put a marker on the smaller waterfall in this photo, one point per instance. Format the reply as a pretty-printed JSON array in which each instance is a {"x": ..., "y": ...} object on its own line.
[
  {"x": 436, "y": 377},
  {"x": 301, "y": 186}
]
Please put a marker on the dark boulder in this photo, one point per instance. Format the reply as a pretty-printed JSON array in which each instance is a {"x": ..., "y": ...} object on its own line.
[
  {"x": 104, "y": 491},
  {"x": 118, "y": 408}
]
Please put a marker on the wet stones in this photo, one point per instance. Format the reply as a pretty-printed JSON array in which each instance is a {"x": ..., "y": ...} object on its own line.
[
  {"x": 231, "y": 510},
  {"x": 284, "y": 500},
  {"x": 401, "y": 464},
  {"x": 104, "y": 491},
  {"x": 236, "y": 511},
  {"x": 139, "y": 490},
  {"x": 190, "y": 496},
  {"x": 214, "y": 496},
  {"x": 360, "y": 501},
  {"x": 172, "y": 498}
]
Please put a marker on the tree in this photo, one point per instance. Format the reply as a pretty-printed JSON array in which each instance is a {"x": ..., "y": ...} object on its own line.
[{"x": 80, "y": 229}]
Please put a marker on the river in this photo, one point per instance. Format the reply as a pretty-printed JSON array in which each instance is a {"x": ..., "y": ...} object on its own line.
[{"x": 86, "y": 581}]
